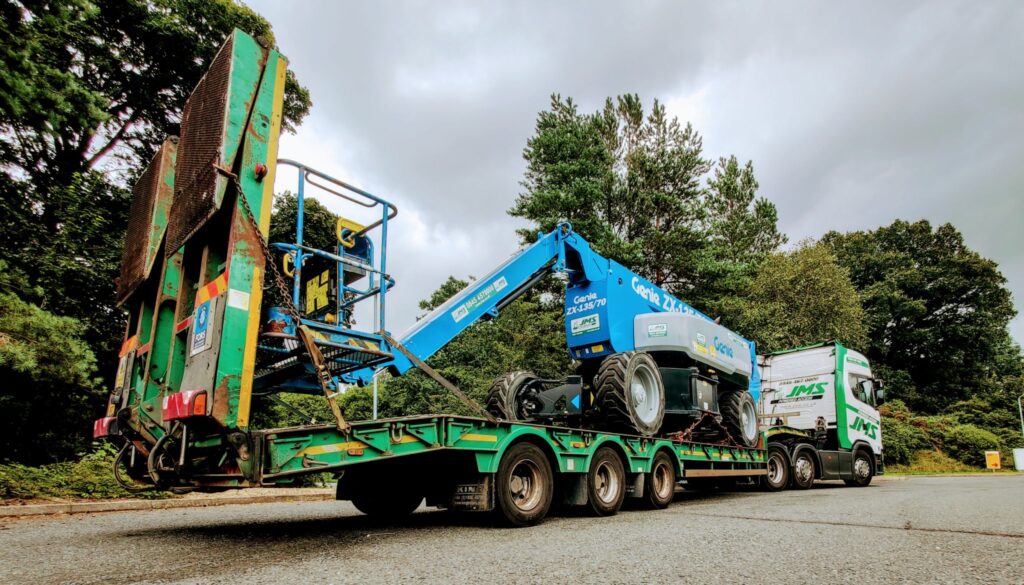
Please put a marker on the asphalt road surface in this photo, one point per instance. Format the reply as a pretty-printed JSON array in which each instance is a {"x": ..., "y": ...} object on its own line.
[{"x": 921, "y": 530}]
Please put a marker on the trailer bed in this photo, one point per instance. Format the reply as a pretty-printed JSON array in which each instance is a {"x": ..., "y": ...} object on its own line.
[{"x": 289, "y": 452}]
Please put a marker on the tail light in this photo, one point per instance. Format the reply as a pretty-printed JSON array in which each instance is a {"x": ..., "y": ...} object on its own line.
[
  {"x": 184, "y": 404},
  {"x": 104, "y": 427}
]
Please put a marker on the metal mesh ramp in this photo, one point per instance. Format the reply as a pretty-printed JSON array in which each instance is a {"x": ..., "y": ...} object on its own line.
[
  {"x": 202, "y": 137},
  {"x": 144, "y": 234}
]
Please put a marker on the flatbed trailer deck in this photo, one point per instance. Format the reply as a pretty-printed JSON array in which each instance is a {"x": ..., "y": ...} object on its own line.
[{"x": 457, "y": 462}]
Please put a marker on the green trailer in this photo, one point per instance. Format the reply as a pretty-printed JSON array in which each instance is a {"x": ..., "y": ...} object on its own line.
[
  {"x": 201, "y": 344},
  {"x": 389, "y": 466}
]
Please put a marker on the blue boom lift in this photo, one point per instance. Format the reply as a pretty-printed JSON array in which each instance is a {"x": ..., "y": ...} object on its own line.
[{"x": 648, "y": 363}]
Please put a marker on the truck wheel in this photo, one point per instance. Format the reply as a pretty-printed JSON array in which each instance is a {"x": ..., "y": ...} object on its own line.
[
  {"x": 606, "y": 483},
  {"x": 660, "y": 483},
  {"x": 503, "y": 398},
  {"x": 630, "y": 393},
  {"x": 803, "y": 470},
  {"x": 390, "y": 499},
  {"x": 739, "y": 416},
  {"x": 524, "y": 485},
  {"x": 863, "y": 470},
  {"x": 778, "y": 472}
]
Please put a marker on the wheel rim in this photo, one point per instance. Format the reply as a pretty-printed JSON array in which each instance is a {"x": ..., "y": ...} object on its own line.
[
  {"x": 525, "y": 485},
  {"x": 776, "y": 469},
  {"x": 748, "y": 420},
  {"x": 643, "y": 394},
  {"x": 606, "y": 482},
  {"x": 862, "y": 468},
  {"x": 803, "y": 469},
  {"x": 663, "y": 480}
]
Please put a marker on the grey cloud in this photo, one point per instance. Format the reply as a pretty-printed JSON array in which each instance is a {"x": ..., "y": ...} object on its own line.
[{"x": 854, "y": 116}]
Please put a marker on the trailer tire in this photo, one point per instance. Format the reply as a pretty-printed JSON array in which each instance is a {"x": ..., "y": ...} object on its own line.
[
  {"x": 390, "y": 499},
  {"x": 739, "y": 416},
  {"x": 606, "y": 483},
  {"x": 863, "y": 469},
  {"x": 503, "y": 395},
  {"x": 524, "y": 485},
  {"x": 660, "y": 482},
  {"x": 777, "y": 477},
  {"x": 627, "y": 383},
  {"x": 804, "y": 470}
]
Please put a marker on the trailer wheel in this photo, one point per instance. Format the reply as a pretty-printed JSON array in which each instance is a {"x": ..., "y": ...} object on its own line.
[
  {"x": 524, "y": 485},
  {"x": 803, "y": 470},
  {"x": 606, "y": 483},
  {"x": 660, "y": 483},
  {"x": 739, "y": 416},
  {"x": 390, "y": 499},
  {"x": 505, "y": 393},
  {"x": 863, "y": 470},
  {"x": 630, "y": 393},
  {"x": 777, "y": 477}
]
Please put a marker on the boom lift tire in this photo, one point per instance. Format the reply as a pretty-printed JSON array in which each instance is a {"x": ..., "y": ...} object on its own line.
[
  {"x": 863, "y": 470},
  {"x": 606, "y": 483},
  {"x": 739, "y": 416},
  {"x": 802, "y": 476},
  {"x": 660, "y": 482},
  {"x": 524, "y": 485},
  {"x": 630, "y": 393},
  {"x": 777, "y": 477},
  {"x": 504, "y": 393}
]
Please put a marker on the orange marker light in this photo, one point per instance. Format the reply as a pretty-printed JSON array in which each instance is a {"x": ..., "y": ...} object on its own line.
[{"x": 199, "y": 405}]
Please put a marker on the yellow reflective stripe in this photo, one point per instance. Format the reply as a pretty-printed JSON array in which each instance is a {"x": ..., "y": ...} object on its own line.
[
  {"x": 331, "y": 448},
  {"x": 479, "y": 438},
  {"x": 252, "y": 329}
]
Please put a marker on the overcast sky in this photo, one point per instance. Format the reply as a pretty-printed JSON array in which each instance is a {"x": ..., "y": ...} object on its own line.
[{"x": 853, "y": 114}]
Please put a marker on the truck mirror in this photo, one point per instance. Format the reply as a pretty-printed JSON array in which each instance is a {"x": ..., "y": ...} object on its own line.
[{"x": 879, "y": 396}]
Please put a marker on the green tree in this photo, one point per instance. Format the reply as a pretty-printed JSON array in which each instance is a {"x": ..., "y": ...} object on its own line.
[
  {"x": 82, "y": 79},
  {"x": 631, "y": 183},
  {"x": 318, "y": 222},
  {"x": 49, "y": 382},
  {"x": 628, "y": 181},
  {"x": 528, "y": 334},
  {"x": 742, "y": 230},
  {"x": 798, "y": 298},
  {"x": 935, "y": 309}
]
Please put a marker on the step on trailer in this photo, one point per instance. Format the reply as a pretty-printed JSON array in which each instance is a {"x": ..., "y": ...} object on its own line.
[{"x": 218, "y": 316}]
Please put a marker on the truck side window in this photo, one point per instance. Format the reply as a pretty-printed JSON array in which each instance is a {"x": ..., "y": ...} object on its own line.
[{"x": 861, "y": 388}]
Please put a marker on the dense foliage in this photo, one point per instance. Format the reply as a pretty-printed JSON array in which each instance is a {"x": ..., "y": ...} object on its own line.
[
  {"x": 88, "y": 90},
  {"x": 936, "y": 312}
]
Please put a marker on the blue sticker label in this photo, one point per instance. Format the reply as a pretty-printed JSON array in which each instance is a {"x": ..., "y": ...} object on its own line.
[
  {"x": 201, "y": 326},
  {"x": 576, "y": 401}
]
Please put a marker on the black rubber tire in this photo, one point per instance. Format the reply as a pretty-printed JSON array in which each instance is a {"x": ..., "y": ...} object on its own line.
[
  {"x": 501, "y": 397},
  {"x": 777, "y": 466},
  {"x": 386, "y": 497},
  {"x": 612, "y": 383},
  {"x": 606, "y": 483},
  {"x": 797, "y": 481},
  {"x": 861, "y": 454},
  {"x": 660, "y": 482},
  {"x": 518, "y": 460},
  {"x": 731, "y": 403}
]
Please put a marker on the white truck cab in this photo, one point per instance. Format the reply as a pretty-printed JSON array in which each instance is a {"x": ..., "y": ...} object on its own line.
[{"x": 818, "y": 410}]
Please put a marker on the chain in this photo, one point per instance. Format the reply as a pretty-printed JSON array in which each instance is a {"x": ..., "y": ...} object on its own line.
[
  {"x": 279, "y": 282},
  {"x": 323, "y": 375}
]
